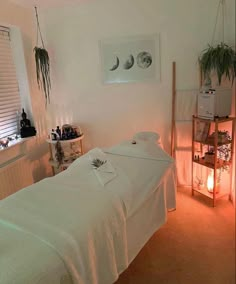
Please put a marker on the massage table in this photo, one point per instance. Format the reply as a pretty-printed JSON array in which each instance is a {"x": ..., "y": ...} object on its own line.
[{"x": 86, "y": 225}]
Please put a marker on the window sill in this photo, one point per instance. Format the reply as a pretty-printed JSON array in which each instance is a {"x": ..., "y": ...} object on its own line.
[
  {"x": 15, "y": 150},
  {"x": 15, "y": 143}
]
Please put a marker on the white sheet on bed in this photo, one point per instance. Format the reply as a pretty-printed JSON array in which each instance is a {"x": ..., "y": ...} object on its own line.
[
  {"x": 72, "y": 223},
  {"x": 144, "y": 165},
  {"x": 84, "y": 227}
]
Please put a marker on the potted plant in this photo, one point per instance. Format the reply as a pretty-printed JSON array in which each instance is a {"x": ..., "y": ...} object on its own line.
[
  {"x": 220, "y": 59},
  {"x": 223, "y": 136},
  {"x": 209, "y": 157},
  {"x": 42, "y": 64}
]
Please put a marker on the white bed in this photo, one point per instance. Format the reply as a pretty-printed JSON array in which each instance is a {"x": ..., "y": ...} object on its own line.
[{"x": 85, "y": 226}]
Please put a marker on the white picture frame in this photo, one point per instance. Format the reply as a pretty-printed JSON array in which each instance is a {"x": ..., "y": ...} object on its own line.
[{"x": 130, "y": 59}]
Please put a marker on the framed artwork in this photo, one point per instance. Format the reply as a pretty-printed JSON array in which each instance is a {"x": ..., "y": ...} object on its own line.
[
  {"x": 130, "y": 59},
  {"x": 202, "y": 130}
]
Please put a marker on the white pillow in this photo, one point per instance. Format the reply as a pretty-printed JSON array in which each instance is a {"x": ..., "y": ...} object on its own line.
[{"x": 147, "y": 136}]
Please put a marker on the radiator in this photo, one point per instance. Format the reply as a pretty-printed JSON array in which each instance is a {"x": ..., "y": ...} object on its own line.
[{"x": 14, "y": 176}]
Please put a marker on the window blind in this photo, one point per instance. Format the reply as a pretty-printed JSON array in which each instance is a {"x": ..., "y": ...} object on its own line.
[{"x": 10, "y": 104}]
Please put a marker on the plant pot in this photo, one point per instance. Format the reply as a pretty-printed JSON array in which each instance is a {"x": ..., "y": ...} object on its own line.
[{"x": 210, "y": 158}]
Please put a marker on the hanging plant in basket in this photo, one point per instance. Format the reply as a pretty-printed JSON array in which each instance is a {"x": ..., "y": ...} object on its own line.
[
  {"x": 220, "y": 58},
  {"x": 42, "y": 65}
]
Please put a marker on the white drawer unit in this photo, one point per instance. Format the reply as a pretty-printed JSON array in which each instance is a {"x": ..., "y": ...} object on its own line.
[{"x": 214, "y": 103}]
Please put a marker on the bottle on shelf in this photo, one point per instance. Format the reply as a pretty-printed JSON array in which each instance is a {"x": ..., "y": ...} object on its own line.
[
  {"x": 54, "y": 135},
  {"x": 58, "y": 130}
]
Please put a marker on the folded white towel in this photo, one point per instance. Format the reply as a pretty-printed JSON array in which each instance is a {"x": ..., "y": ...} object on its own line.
[
  {"x": 106, "y": 172},
  {"x": 103, "y": 175},
  {"x": 106, "y": 168}
]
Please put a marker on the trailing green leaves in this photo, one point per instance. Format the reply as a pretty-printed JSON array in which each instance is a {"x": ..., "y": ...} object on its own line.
[
  {"x": 43, "y": 71},
  {"x": 221, "y": 59}
]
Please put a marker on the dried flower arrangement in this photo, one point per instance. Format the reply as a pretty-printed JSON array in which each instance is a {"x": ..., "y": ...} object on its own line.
[
  {"x": 59, "y": 153},
  {"x": 96, "y": 163}
]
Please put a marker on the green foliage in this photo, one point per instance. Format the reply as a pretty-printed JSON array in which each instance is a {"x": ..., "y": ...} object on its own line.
[
  {"x": 221, "y": 59},
  {"x": 96, "y": 163},
  {"x": 225, "y": 134},
  {"x": 43, "y": 70}
]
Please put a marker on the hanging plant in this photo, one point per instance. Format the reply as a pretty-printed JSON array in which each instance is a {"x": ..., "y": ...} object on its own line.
[
  {"x": 42, "y": 65},
  {"x": 220, "y": 58}
]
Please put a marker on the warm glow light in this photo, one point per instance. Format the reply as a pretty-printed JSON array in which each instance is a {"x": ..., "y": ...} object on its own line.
[{"x": 210, "y": 182}]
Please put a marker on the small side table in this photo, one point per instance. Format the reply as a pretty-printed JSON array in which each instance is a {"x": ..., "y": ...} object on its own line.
[{"x": 75, "y": 151}]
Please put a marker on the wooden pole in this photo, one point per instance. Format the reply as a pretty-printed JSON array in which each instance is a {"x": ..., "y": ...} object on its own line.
[{"x": 173, "y": 107}]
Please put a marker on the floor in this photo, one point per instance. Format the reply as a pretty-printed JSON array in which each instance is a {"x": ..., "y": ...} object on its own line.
[{"x": 196, "y": 245}]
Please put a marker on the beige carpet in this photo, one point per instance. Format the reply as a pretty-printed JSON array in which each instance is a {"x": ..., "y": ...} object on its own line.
[{"x": 196, "y": 245}]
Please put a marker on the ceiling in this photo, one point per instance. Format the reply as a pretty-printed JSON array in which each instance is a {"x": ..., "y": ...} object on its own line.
[{"x": 46, "y": 3}]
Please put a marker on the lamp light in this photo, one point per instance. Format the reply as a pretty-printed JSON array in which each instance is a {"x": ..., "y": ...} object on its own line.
[{"x": 210, "y": 183}]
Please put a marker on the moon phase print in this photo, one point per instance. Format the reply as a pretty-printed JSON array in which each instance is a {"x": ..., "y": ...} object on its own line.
[
  {"x": 144, "y": 59},
  {"x": 129, "y": 62},
  {"x": 116, "y": 64},
  {"x": 130, "y": 59}
]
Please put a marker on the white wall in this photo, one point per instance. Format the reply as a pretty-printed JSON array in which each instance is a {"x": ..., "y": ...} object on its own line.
[
  {"x": 110, "y": 113},
  {"x": 35, "y": 150}
]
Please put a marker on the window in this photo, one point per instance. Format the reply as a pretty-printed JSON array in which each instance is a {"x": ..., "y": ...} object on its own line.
[{"x": 10, "y": 103}]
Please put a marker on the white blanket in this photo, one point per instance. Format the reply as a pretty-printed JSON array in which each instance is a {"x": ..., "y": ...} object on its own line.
[
  {"x": 83, "y": 227},
  {"x": 72, "y": 224},
  {"x": 145, "y": 165},
  {"x": 141, "y": 150}
]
